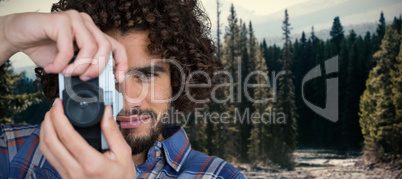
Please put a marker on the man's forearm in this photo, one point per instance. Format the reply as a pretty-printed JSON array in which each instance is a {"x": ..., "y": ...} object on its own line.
[{"x": 6, "y": 49}]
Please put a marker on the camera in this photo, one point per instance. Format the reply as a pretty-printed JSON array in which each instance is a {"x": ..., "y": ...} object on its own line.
[{"x": 84, "y": 103}]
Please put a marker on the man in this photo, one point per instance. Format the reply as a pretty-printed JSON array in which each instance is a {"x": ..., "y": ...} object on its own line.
[{"x": 139, "y": 33}]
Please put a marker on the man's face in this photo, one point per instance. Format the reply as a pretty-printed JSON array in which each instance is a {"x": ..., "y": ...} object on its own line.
[{"x": 146, "y": 85}]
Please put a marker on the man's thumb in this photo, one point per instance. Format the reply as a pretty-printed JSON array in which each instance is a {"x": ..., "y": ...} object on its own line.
[
  {"x": 112, "y": 132},
  {"x": 108, "y": 124}
]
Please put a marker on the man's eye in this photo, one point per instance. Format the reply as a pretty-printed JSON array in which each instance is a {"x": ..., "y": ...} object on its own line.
[{"x": 146, "y": 75}]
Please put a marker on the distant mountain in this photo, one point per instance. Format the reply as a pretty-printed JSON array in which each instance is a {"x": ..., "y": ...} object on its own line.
[
  {"x": 359, "y": 29},
  {"x": 321, "y": 14}
]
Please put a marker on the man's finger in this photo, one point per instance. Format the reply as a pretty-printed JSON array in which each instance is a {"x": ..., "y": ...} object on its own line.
[
  {"x": 63, "y": 36},
  {"x": 52, "y": 148},
  {"x": 114, "y": 138},
  {"x": 71, "y": 139},
  {"x": 85, "y": 40},
  {"x": 101, "y": 58},
  {"x": 120, "y": 57}
]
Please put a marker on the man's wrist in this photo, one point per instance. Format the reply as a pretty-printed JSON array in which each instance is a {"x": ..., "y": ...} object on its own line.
[{"x": 6, "y": 48}]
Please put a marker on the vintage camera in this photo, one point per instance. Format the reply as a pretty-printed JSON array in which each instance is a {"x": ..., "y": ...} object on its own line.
[{"x": 84, "y": 103}]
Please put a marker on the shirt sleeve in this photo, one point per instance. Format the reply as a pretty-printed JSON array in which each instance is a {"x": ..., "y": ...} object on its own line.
[
  {"x": 229, "y": 171},
  {"x": 238, "y": 175},
  {"x": 16, "y": 154},
  {"x": 4, "y": 159}
]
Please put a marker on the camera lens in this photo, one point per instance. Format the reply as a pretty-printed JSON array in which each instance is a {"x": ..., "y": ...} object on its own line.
[
  {"x": 79, "y": 110},
  {"x": 83, "y": 105}
]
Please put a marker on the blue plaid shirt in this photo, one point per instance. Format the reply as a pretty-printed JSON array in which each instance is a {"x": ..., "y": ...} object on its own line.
[{"x": 172, "y": 158}]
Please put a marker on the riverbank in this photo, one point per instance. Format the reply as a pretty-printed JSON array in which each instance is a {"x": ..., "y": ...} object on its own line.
[{"x": 325, "y": 164}]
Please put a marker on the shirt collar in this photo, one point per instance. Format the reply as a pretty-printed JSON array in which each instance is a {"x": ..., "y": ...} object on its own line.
[{"x": 176, "y": 147}]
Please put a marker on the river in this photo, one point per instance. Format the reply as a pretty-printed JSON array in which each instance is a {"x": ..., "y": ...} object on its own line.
[{"x": 324, "y": 164}]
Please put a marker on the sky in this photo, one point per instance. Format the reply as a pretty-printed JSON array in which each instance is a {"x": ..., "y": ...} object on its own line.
[{"x": 266, "y": 15}]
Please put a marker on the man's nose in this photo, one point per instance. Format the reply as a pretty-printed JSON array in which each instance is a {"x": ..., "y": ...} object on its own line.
[{"x": 133, "y": 93}]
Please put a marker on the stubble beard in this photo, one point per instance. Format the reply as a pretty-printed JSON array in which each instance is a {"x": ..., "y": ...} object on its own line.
[{"x": 140, "y": 144}]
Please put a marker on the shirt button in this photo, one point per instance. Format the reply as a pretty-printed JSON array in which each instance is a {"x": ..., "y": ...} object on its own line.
[{"x": 159, "y": 145}]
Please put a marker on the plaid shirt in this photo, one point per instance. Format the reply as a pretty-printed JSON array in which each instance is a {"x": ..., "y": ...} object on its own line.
[{"x": 172, "y": 158}]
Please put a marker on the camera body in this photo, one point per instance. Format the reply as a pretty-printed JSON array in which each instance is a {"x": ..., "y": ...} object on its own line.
[{"x": 84, "y": 103}]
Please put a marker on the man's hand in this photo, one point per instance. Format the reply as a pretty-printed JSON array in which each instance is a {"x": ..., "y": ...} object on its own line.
[
  {"x": 73, "y": 157},
  {"x": 48, "y": 39}
]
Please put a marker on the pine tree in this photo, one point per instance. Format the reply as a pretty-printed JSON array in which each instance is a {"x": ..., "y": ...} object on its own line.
[
  {"x": 397, "y": 24},
  {"x": 260, "y": 140},
  {"x": 254, "y": 153},
  {"x": 197, "y": 135},
  {"x": 252, "y": 45},
  {"x": 381, "y": 26},
  {"x": 230, "y": 55},
  {"x": 219, "y": 80},
  {"x": 249, "y": 44},
  {"x": 244, "y": 125},
  {"x": 337, "y": 33},
  {"x": 231, "y": 52},
  {"x": 254, "y": 59},
  {"x": 367, "y": 54},
  {"x": 301, "y": 66},
  {"x": 355, "y": 87},
  {"x": 344, "y": 58},
  {"x": 313, "y": 37},
  {"x": 396, "y": 78},
  {"x": 380, "y": 126},
  {"x": 272, "y": 54},
  {"x": 323, "y": 127},
  {"x": 377, "y": 37},
  {"x": 10, "y": 102},
  {"x": 210, "y": 132},
  {"x": 243, "y": 40},
  {"x": 285, "y": 135}
]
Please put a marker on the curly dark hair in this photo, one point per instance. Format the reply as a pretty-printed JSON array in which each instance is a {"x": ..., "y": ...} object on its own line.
[{"x": 178, "y": 29}]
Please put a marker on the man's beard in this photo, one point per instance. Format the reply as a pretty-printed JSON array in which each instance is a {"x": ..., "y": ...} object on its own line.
[{"x": 140, "y": 144}]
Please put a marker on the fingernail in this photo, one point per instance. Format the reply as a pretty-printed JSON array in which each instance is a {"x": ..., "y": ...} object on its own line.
[
  {"x": 109, "y": 112},
  {"x": 46, "y": 69},
  {"x": 64, "y": 71},
  {"x": 66, "y": 74},
  {"x": 56, "y": 102},
  {"x": 122, "y": 77},
  {"x": 85, "y": 78},
  {"x": 111, "y": 156}
]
